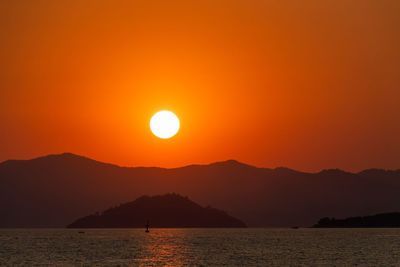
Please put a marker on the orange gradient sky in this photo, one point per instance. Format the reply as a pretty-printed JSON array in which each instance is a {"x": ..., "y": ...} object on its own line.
[{"x": 303, "y": 84}]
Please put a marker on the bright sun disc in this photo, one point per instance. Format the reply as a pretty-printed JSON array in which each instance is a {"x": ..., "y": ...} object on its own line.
[{"x": 164, "y": 124}]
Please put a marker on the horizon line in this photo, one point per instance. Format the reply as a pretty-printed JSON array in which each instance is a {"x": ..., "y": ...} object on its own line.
[{"x": 198, "y": 164}]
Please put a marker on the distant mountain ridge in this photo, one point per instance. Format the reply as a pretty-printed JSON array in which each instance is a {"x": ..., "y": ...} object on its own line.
[
  {"x": 162, "y": 211},
  {"x": 229, "y": 162},
  {"x": 53, "y": 190}
]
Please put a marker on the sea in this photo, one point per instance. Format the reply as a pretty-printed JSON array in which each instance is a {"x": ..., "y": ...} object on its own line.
[{"x": 200, "y": 247}]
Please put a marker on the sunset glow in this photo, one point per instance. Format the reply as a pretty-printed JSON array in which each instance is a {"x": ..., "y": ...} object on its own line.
[
  {"x": 304, "y": 84},
  {"x": 187, "y": 132},
  {"x": 164, "y": 124}
]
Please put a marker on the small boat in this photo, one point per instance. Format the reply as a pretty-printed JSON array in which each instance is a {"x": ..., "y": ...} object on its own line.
[
  {"x": 295, "y": 227},
  {"x": 147, "y": 226}
]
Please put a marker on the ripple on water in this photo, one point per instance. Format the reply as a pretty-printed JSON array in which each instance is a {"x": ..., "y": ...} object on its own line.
[{"x": 233, "y": 247}]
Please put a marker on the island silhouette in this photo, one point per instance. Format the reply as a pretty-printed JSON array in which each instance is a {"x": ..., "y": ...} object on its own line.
[
  {"x": 388, "y": 220},
  {"x": 54, "y": 190},
  {"x": 162, "y": 211}
]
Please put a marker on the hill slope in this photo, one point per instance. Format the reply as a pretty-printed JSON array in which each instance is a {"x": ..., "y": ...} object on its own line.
[
  {"x": 54, "y": 190},
  {"x": 166, "y": 211}
]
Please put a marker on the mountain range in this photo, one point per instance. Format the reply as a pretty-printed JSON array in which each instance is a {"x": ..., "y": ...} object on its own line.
[{"x": 54, "y": 190}]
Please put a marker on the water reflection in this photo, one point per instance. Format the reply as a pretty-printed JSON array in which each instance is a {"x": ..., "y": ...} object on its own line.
[
  {"x": 206, "y": 247},
  {"x": 167, "y": 247}
]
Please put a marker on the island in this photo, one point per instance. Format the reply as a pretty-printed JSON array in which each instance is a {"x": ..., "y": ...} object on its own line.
[
  {"x": 382, "y": 220},
  {"x": 160, "y": 211}
]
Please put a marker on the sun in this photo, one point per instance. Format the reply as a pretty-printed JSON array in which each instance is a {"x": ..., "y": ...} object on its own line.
[{"x": 164, "y": 124}]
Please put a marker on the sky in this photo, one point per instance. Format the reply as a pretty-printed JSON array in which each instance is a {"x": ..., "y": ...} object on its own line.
[{"x": 309, "y": 85}]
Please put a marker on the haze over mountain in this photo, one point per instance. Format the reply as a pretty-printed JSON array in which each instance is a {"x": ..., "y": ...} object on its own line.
[
  {"x": 162, "y": 211},
  {"x": 54, "y": 190}
]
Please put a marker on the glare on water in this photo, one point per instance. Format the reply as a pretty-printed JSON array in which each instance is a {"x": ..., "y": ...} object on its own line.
[{"x": 233, "y": 247}]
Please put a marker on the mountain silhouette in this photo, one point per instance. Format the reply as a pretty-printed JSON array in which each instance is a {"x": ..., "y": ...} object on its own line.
[
  {"x": 166, "y": 211},
  {"x": 54, "y": 190},
  {"x": 379, "y": 220}
]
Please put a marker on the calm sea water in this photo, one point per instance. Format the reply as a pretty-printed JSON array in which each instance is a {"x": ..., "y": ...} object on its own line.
[{"x": 232, "y": 247}]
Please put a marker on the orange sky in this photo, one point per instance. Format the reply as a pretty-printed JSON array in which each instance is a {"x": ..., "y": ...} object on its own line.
[{"x": 303, "y": 84}]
